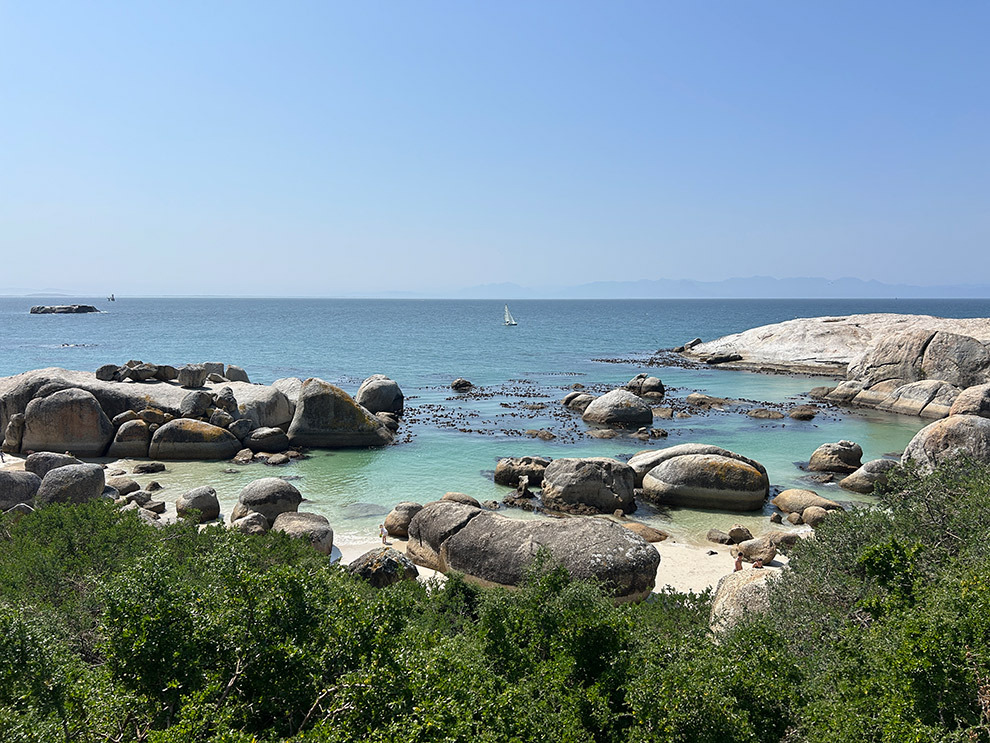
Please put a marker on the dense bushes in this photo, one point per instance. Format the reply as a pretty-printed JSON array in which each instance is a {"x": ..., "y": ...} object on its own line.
[{"x": 111, "y": 630}]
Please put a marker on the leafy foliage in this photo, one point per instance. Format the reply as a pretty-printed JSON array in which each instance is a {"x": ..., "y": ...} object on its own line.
[{"x": 111, "y": 630}]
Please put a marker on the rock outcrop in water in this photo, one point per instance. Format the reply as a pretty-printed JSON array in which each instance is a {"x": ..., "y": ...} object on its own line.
[
  {"x": 139, "y": 409},
  {"x": 909, "y": 364},
  {"x": 62, "y": 309}
]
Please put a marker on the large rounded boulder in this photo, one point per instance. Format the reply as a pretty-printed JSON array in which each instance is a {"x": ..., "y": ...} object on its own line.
[
  {"x": 736, "y": 594},
  {"x": 131, "y": 441},
  {"x": 497, "y": 551},
  {"x": 271, "y": 440},
  {"x": 948, "y": 439},
  {"x": 73, "y": 483},
  {"x": 69, "y": 420},
  {"x": 311, "y": 527},
  {"x": 869, "y": 476},
  {"x": 707, "y": 481},
  {"x": 269, "y": 496},
  {"x": 328, "y": 417},
  {"x": 383, "y": 566},
  {"x": 202, "y": 500},
  {"x": 592, "y": 485},
  {"x": 379, "y": 394},
  {"x": 508, "y": 470},
  {"x": 43, "y": 462},
  {"x": 842, "y": 456},
  {"x": 185, "y": 438},
  {"x": 619, "y": 408},
  {"x": 796, "y": 500},
  {"x": 644, "y": 461},
  {"x": 432, "y": 525},
  {"x": 397, "y": 521},
  {"x": 973, "y": 400},
  {"x": 17, "y": 486}
]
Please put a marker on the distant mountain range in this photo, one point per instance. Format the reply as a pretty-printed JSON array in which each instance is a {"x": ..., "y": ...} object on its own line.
[{"x": 753, "y": 287}]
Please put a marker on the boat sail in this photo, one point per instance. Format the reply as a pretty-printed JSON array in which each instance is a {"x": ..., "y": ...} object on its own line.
[{"x": 509, "y": 319}]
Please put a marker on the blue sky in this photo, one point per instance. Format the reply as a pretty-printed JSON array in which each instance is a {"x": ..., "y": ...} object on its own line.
[{"x": 329, "y": 148}]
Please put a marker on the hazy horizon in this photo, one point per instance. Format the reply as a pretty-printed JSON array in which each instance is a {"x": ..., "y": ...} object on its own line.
[{"x": 332, "y": 149}]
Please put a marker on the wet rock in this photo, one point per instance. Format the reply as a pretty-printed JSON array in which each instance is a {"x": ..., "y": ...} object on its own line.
[
  {"x": 461, "y": 385},
  {"x": 805, "y": 412},
  {"x": 510, "y": 469},
  {"x": 591, "y": 485},
  {"x": 148, "y": 468},
  {"x": 842, "y": 456},
  {"x": 764, "y": 414},
  {"x": 618, "y": 408},
  {"x": 707, "y": 481},
  {"x": 379, "y": 394},
  {"x": 267, "y": 439}
]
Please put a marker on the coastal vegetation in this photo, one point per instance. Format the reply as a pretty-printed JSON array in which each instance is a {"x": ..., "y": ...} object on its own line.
[{"x": 111, "y": 630}]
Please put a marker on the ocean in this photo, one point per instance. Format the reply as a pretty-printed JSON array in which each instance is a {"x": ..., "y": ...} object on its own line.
[{"x": 451, "y": 442}]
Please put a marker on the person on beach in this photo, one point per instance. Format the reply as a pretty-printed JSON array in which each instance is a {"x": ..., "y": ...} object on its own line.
[
  {"x": 383, "y": 533},
  {"x": 738, "y": 563},
  {"x": 758, "y": 564}
]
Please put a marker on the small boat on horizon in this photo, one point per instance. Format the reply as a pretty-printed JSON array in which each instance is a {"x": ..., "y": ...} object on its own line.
[{"x": 509, "y": 319}]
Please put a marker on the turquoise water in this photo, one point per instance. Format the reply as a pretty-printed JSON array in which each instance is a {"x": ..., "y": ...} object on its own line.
[{"x": 451, "y": 442}]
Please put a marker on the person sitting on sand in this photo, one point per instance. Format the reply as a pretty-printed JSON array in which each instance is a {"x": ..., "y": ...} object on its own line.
[
  {"x": 758, "y": 564},
  {"x": 383, "y": 533},
  {"x": 738, "y": 563}
]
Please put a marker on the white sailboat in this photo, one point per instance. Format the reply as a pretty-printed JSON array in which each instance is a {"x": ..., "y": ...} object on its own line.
[{"x": 509, "y": 319}]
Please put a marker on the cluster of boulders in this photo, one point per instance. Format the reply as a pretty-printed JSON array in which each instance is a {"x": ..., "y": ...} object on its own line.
[
  {"x": 804, "y": 506},
  {"x": 131, "y": 411},
  {"x": 49, "y": 477},
  {"x": 189, "y": 375},
  {"x": 628, "y": 407},
  {"x": 456, "y": 534},
  {"x": 691, "y": 475}
]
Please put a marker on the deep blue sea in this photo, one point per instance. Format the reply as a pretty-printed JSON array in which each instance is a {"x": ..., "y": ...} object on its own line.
[{"x": 448, "y": 442}]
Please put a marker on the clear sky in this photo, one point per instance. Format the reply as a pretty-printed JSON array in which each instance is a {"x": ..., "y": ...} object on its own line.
[{"x": 323, "y": 148}]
